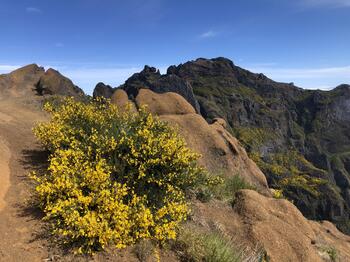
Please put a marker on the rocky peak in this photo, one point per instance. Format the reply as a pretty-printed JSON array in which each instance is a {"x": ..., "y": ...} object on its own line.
[
  {"x": 20, "y": 83},
  {"x": 32, "y": 80},
  {"x": 54, "y": 83},
  {"x": 27, "y": 70},
  {"x": 27, "y": 73},
  {"x": 102, "y": 90},
  {"x": 150, "y": 78},
  {"x": 150, "y": 70}
]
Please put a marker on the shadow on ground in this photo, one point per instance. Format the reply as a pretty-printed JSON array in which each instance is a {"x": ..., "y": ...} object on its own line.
[{"x": 35, "y": 160}]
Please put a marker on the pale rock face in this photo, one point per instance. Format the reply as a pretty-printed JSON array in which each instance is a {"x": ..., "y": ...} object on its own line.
[
  {"x": 163, "y": 104},
  {"x": 121, "y": 100}
]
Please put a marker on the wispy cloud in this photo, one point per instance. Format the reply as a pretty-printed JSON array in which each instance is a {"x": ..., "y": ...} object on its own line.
[
  {"x": 33, "y": 10},
  {"x": 208, "y": 34},
  {"x": 8, "y": 68},
  {"x": 307, "y": 72},
  {"x": 320, "y": 78},
  {"x": 328, "y": 3}
]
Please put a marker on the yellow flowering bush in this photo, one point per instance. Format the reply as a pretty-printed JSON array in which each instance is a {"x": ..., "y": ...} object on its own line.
[{"x": 113, "y": 177}]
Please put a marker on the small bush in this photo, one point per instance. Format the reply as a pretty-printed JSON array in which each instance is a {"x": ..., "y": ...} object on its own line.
[
  {"x": 277, "y": 193},
  {"x": 113, "y": 178},
  {"x": 332, "y": 253},
  {"x": 143, "y": 250},
  {"x": 218, "y": 249},
  {"x": 196, "y": 246},
  {"x": 222, "y": 188}
]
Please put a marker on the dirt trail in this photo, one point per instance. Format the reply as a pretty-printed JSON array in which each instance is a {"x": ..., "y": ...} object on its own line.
[
  {"x": 5, "y": 171},
  {"x": 19, "y": 227}
]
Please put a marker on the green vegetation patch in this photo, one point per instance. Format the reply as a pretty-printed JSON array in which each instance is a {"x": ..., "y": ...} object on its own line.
[
  {"x": 290, "y": 169},
  {"x": 253, "y": 138},
  {"x": 196, "y": 245},
  {"x": 222, "y": 188}
]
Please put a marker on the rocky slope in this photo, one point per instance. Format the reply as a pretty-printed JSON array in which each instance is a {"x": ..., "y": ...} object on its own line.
[
  {"x": 299, "y": 138},
  {"x": 254, "y": 220}
]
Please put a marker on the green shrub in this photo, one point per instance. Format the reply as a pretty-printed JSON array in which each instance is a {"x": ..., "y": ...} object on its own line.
[
  {"x": 143, "y": 250},
  {"x": 113, "y": 178},
  {"x": 194, "y": 245},
  {"x": 224, "y": 188},
  {"x": 218, "y": 249},
  {"x": 333, "y": 254}
]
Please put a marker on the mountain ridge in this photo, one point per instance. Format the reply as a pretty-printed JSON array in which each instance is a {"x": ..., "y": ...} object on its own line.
[{"x": 298, "y": 137}]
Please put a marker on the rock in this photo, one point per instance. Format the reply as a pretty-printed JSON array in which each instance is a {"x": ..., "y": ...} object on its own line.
[
  {"x": 121, "y": 100},
  {"x": 53, "y": 83},
  {"x": 220, "y": 121},
  {"x": 29, "y": 73},
  {"x": 21, "y": 82},
  {"x": 102, "y": 90},
  {"x": 151, "y": 78},
  {"x": 163, "y": 104},
  {"x": 284, "y": 232}
]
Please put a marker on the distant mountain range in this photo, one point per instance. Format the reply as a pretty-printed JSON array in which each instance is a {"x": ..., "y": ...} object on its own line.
[{"x": 299, "y": 138}]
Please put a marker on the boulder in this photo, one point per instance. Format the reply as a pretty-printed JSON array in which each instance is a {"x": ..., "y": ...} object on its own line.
[
  {"x": 121, "y": 100},
  {"x": 102, "y": 90},
  {"x": 151, "y": 78},
  {"x": 164, "y": 104}
]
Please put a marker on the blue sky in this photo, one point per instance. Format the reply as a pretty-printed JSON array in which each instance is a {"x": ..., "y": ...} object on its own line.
[{"x": 302, "y": 41}]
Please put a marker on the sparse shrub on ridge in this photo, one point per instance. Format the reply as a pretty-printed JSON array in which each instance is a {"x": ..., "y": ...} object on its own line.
[
  {"x": 195, "y": 244},
  {"x": 113, "y": 178},
  {"x": 222, "y": 188}
]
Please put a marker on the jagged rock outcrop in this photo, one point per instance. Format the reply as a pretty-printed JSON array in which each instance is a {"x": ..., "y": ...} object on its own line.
[
  {"x": 32, "y": 80},
  {"x": 102, "y": 90},
  {"x": 299, "y": 138},
  {"x": 151, "y": 78},
  {"x": 22, "y": 81},
  {"x": 53, "y": 83}
]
